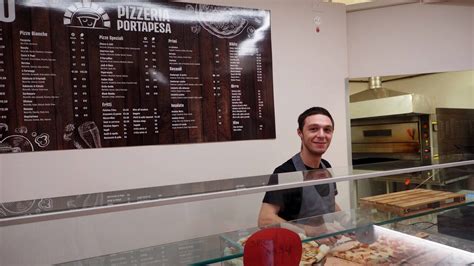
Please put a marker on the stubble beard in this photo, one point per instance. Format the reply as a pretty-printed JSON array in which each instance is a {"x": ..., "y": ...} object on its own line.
[{"x": 314, "y": 152}]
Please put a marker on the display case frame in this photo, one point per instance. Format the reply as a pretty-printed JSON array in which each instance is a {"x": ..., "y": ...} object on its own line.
[
  {"x": 212, "y": 248},
  {"x": 214, "y": 189}
]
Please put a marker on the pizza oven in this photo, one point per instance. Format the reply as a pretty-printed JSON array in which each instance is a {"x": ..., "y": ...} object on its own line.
[{"x": 396, "y": 129}]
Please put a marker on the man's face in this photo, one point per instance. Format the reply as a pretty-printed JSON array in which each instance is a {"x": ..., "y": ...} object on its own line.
[{"x": 316, "y": 134}]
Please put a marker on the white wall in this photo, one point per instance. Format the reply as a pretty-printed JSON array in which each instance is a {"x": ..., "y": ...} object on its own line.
[
  {"x": 308, "y": 69},
  {"x": 408, "y": 39}
]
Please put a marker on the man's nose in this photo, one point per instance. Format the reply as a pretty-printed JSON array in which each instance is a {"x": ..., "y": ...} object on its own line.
[{"x": 320, "y": 132}]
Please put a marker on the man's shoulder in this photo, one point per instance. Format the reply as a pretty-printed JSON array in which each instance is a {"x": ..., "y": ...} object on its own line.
[
  {"x": 326, "y": 163},
  {"x": 289, "y": 166},
  {"x": 286, "y": 167}
]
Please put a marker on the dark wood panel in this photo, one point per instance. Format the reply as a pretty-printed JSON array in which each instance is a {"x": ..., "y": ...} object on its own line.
[
  {"x": 62, "y": 81},
  {"x": 195, "y": 73},
  {"x": 268, "y": 117},
  {"x": 164, "y": 106}
]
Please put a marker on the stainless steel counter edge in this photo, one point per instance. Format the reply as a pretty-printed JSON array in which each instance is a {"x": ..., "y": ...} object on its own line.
[{"x": 214, "y": 195}]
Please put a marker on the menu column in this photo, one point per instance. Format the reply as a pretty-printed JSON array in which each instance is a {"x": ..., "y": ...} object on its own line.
[
  {"x": 259, "y": 89},
  {"x": 79, "y": 76},
  {"x": 3, "y": 84},
  {"x": 120, "y": 119},
  {"x": 182, "y": 84},
  {"x": 144, "y": 117},
  {"x": 36, "y": 75},
  {"x": 216, "y": 82},
  {"x": 240, "y": 109},
  {"x": 153, "y": 77}
]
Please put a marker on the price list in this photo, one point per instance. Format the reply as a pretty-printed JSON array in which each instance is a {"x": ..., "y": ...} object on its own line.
[
  {"x": 260, "y": 91},
  {"x": 216, "y": 84},
  {"x": 152, "y": 81},
  {"x": 79, "y": 76},
  {"x": 3, "y": 82},
  {"x": 150, "y": 66}
]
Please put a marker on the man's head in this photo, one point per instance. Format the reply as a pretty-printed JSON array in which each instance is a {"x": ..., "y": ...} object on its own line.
[
  {"x": 315, "y": 128},
  {"x": 313, "y": 111}
]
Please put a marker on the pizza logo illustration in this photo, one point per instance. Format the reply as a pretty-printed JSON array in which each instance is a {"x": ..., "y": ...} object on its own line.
[
  {"x": 86, "y": 15},
  {"x": 222, "y": 22}
]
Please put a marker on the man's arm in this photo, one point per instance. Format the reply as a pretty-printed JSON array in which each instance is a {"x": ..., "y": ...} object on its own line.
[{"x": 269, "y": 215}]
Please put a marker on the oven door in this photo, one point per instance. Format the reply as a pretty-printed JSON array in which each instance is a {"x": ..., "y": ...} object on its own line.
[{"x": 385, "y": 142}]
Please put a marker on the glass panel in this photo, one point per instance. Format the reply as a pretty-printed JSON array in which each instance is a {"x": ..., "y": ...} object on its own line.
[
  {"x": 188, "y": 192},
  {"x": 451, "y": 227},
  {"x": 359, "y": 224}
]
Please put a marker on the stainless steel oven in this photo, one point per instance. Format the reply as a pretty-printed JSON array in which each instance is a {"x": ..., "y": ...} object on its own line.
[
  {"x": 407, "y": 137},
  {"x": 407, "y": 140}
]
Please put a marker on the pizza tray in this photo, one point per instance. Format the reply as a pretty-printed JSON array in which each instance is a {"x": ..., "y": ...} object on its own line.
[{"x": 414, "y": 201}]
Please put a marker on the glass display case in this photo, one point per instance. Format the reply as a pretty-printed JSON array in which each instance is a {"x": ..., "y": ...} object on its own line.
[{"x": 433, "y": 229}]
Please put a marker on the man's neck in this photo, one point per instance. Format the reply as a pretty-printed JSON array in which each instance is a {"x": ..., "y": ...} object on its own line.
[{"x": 310, "y": 159}]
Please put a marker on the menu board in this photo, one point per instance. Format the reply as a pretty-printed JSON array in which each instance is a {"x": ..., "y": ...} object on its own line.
[{"x": 76, "y": 75}]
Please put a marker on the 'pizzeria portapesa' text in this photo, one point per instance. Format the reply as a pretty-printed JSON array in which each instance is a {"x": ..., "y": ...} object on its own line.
[{"x": 144, "y": 19}]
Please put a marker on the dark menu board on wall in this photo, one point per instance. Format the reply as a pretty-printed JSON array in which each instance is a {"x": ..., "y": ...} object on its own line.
[{"x": 91, "y": 74}]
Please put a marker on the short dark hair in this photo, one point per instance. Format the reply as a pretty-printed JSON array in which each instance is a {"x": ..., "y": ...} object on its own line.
[{"x": 313, "y": 111}]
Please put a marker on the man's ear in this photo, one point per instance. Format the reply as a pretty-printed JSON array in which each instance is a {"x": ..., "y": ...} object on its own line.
[{"x": 299, "y": 133}]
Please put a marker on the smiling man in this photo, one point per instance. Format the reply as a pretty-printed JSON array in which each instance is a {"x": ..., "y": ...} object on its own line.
[{"x": 315, "y": 129}]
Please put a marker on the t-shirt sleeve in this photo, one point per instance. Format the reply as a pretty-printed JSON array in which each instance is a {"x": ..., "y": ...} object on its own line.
[{"x": 274, "y": 197}]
